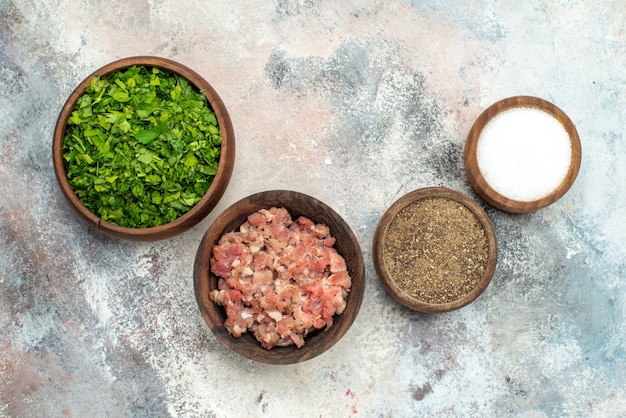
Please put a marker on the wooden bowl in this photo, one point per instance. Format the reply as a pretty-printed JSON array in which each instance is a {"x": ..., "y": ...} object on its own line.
[
  {"x": 212, "y": 196},
  {"x": 485, "y": 190},
  {"x": 391, "y": 283},
  {"x": 297, "y": 204}
]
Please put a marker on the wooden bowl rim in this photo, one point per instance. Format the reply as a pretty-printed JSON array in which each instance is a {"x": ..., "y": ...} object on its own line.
[
  {"x": 211, "y": 197},
  {"x": 204, "y": 281},
  {"x": 478, "y": 182},
  {"x": 379, "y": 240}
]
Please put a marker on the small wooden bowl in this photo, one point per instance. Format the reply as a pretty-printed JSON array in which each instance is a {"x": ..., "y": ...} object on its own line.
[
  {"x": 484, "y": 189},
  {"x": 390, "y": 282},
  {"x": 212, "y": 196},
  {"x": 297, "y": 204}
]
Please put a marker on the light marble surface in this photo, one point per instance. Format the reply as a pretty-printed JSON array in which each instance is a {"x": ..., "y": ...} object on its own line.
[{"x": 356, "y": 103}]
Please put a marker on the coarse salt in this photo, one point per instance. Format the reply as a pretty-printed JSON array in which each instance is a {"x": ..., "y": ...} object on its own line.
[{"x": 524, "y": 153}]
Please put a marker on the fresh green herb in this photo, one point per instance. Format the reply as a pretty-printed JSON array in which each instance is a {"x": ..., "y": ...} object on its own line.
[{"x": 141, "y": 146}]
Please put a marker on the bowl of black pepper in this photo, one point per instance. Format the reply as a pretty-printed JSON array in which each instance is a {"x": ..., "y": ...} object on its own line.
[
  {"x": 143, "y": 148},
  {"x": 435, "y": 250}
]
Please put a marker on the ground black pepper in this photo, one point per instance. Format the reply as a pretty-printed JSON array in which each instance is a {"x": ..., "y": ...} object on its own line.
[{"x": 436, "y": 250}]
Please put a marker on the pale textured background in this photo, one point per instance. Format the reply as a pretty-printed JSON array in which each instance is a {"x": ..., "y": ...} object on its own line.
[{"x": 355, "y": 103}]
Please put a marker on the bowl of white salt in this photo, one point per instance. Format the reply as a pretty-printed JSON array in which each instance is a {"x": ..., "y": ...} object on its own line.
[{"x": 522, "y": 154}]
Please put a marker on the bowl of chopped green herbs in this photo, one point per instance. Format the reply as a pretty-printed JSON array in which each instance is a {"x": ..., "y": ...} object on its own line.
[{"x": 143, "y": 148}]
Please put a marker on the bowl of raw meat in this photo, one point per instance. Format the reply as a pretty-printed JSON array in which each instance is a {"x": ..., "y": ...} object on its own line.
[{"x": 279, "y": 277}]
